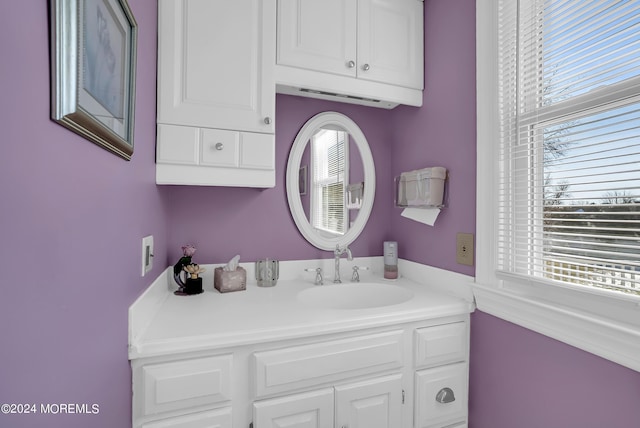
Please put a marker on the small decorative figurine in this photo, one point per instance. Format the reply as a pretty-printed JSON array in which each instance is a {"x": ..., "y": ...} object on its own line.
[
  {"x": 193, "y": 270},
  {"x": 191, "y": 284}
]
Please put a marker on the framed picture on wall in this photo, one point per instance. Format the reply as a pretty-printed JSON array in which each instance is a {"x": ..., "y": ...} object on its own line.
[{"x": 93, "y": 64}]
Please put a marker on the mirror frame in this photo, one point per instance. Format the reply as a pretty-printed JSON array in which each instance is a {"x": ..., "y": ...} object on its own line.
[{"x": 331, "y": 119}]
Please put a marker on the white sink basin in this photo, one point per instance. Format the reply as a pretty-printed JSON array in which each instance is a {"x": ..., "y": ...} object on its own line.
[{"x": 362, "y": 295}]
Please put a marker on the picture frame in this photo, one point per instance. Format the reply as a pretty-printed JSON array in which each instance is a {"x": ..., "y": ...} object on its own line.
[{"x": 93, "y": 71}]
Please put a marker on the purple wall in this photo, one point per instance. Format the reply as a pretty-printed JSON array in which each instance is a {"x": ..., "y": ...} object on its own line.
[
  {"x": 73, "y": 215},
  {"x": 71, "y": 221},
  {"x": 441, "y": 133},
  {"x": 523, "y": 379}
]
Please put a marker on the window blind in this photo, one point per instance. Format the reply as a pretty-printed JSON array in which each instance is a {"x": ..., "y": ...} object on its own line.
[
  {"x": 329, "y": 169},
  {"x": 569, "y": 166}
]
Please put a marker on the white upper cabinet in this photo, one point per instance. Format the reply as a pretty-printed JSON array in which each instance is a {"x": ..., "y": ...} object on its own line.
[
  {"x": 362, "y": 51},
  {"x": 390, "y": 42},
  {"x": 216, "y": 77},
  {"x": 318, "y": 35}
]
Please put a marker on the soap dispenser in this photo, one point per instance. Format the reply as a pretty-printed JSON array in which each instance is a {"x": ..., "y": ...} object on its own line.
[{"x": 390, "y": 259}]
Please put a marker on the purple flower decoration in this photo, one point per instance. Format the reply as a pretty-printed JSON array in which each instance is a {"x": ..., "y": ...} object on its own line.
[{"x": 188, "y": 250}]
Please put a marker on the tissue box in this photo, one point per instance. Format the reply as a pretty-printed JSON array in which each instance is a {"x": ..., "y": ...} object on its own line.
[{"x": 234, "y": 280}]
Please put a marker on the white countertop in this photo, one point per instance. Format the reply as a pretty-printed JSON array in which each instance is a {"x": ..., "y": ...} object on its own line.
[{"x": 211, "y": 320}]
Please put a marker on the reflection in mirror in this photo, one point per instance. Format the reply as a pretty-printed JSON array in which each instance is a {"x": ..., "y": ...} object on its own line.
[
  {"x": 334, "y": 173},
  {"x": 327, "y": 169}
]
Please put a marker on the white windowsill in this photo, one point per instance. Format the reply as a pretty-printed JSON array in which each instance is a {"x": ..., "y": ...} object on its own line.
[{"x": 600, "y": 336}]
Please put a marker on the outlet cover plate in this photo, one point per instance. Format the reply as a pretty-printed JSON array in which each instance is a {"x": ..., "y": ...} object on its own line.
[{"x": 464, "y": 249}]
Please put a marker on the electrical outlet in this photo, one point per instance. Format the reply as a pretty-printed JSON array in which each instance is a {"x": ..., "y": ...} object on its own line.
[
  {"x": 464, "y": 248},
  {"x": 147, "y": 254}
]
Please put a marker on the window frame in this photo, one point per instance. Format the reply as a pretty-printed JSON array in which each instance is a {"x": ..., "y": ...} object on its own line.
[{"x": 598, "y": 321}]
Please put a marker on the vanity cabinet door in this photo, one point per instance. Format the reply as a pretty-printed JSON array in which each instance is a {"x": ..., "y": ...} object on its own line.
[
  {"x": 390, "y": 42},
  {"x": 308, "y": 410},
  {"x": 318, "y": 35},
  {"x": 375, "y": 403}
]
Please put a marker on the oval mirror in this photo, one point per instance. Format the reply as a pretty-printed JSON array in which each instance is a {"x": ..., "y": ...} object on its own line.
[{"x": 331, "y": 180}]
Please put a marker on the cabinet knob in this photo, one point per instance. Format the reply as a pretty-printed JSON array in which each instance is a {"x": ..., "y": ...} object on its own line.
[
  {"x": 267, "y": 120},
  {"x": 219, "y": 146},
  {"x": 351, "y": 64},
  {"x": 366, "y": 67},
  {"x": 445, "y": 395}
]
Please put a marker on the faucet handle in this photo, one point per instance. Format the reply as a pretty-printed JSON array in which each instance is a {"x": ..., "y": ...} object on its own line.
[
  {"x": 318, "y": 271},
  {"x": 355, "y": 277}
]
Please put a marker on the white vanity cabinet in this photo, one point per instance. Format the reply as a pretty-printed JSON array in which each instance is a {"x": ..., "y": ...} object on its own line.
[
  {"x": 265, "y": 358},
  {"x": 216, "y": 93},
  {"x": 385, "y": 377},
  {"x": 368, "y": 51}
]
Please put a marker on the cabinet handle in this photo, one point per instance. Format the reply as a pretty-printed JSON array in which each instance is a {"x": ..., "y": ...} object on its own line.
[
  {"x": 445, "y": 395},
  {"x": 351, "y": 64},
  {"x": 219, "y": 146},
  {"x": 267, "y": 120},
  {"x": 366, "y": 67}
]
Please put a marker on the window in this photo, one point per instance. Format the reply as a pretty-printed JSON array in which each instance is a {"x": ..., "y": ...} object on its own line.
[
  {"x": 558, "y": 171},
  {"x": 329, "y": 172},
  {"x": 569, "y": 188}
]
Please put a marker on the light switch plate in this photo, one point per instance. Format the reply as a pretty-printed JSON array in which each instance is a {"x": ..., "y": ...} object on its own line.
[{"x": 147, "y": 254}]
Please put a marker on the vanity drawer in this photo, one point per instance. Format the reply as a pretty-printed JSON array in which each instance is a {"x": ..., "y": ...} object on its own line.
[
  {"x": 314, "y": 364},
  {"x": 441, "y": 396},
  {"x": 441, "y": 344},
  {"x": 186, "y": 383}
]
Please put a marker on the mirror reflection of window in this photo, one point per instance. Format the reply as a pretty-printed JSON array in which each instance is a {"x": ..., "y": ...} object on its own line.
[{"x": 329, "y": 174}]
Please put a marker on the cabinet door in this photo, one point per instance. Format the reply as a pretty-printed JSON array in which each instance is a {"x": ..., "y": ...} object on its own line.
[
  {"x": 215, "y": 67},
  {"x": 308, "y": 410},
  {"x": 375, "y": 403},
  {"x": 390, "y": 42},
  {"x": 318, "y": 35}
]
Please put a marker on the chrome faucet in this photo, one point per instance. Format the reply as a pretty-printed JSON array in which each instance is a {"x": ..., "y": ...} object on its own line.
[{"x": 337, "y": 253}]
